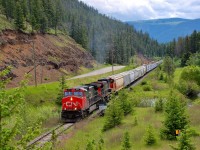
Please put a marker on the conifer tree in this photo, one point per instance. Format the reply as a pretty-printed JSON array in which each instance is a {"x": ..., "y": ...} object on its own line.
[
  {"x": 126, "y": 145},
  {"x": 149, "y": 136},
  {"x": 185, "y": 141},
  {"x": 19, "y": 18},
  {"x": 114, "y": 115},
  {"x": 175, "y": 118},
  {"x": 62, "y": 86}
]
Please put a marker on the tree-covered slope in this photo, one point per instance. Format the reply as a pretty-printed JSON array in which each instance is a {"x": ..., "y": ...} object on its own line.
[
  {"x": 101, "y": 35},
  {"x": 165, "y": 30}
]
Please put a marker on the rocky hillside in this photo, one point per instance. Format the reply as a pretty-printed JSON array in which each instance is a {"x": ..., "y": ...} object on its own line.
[{"x": 53, "y": 55}]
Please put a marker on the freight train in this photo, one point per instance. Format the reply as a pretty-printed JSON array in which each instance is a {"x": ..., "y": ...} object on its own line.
[{"x": 80, "y": 101}]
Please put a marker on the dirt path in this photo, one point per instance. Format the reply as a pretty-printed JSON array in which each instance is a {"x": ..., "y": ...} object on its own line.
[{"x": 98, "y": 72}]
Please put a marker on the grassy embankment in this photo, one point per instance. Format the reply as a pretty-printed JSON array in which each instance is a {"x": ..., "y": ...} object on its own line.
[{"x": 91, "y": 130}]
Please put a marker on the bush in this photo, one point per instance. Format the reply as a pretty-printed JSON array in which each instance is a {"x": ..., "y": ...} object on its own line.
[
  {"x": 175, "y": 118},
  {"x": 147, "y": 88},
  {"x": 159, "y": 105},
  {"x": 143, "y": 82},
  {"x": 161, "y": 77},
  {"x": 188, "y": 88},
  {"x": 126, "y": 145},
  {"x": 191, "y": 73},
  {"x": 149, "y": 136},
  {"x": 125, "y": 102},
  {"x": 113, "y": 114}
]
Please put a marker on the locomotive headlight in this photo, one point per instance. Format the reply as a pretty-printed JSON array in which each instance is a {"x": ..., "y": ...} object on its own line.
[
  {"x": 71, "y": 99},
  {"x": 75, "y": 108}
]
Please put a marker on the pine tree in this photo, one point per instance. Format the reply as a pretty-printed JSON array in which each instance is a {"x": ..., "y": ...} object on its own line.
[
  {"x": 149, "y": 136},
  {"x": 159, "y": 105},
  {"x": 185, "y": 141},
  {"x": 114, "y": 115},
  {"x": 175, "y": 118},
  {"x": 126, "y": 145},
  {"x": 125, "y": 103},
  {"x": 168, "y": 67},
  {"x": 62, "y": 86},
  {"x": 19, "y": 18}
]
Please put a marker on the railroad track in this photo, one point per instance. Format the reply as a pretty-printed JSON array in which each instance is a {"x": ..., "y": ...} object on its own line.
[{"x": 46, "y": 137}]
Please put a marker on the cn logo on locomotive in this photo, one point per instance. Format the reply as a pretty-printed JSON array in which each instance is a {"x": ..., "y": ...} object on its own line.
[{"x": 70, "y": 104}]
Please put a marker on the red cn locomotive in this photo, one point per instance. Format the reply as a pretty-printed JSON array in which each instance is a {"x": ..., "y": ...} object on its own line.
[{"x": 78, "y": 102}]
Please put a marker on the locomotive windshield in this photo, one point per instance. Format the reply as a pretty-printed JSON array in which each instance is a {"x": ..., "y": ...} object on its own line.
[
  {"x": 80, "y": 94},
  {"x": 68, "y": 93}
]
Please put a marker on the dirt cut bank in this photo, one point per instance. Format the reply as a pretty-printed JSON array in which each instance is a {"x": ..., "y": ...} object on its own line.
[{"x": 53, "y": 55}]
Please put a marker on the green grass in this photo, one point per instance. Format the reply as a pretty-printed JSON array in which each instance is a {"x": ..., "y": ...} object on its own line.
[{"x": 89, "y": 130}]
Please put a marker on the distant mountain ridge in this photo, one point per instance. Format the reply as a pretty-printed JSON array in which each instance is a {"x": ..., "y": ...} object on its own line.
[{"x": 165, "y": 30}]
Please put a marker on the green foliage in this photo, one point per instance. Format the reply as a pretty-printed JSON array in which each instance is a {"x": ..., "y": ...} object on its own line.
[
  {"x": 188, "y": 88},
  {"x": 149, "y": 137},
  {"x": 161, "y": 77},
  {"x": 30, "y": 134},
  {"x": 90, "y": 145},
  {"x": 159, "y": 105},
  {"x": 125, "y": 102},
  {"x": 62, "y": 86},
  {"x": 19, "y": 18},
  {"x": 126, "y": 145},
  {"x": 143, "y": 82},
  {"x": 113, "y": 115},
  {"x": 191, "y": 73},
  {"x": 185, "y": 142},
  {"x": 194, "y": 60},
  {"x": 135, "y": 121},
  {"x": 11, "y": 107},
  {"x": 147, "y": 88},
  {"x": 168, "y": 67},
  {"x": 175, "y": 118},
  {"x": 100, "y": 144},
  {"x": 53, "y": 139}
]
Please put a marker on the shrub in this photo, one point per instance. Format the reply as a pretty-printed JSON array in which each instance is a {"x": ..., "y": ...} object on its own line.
[
  {"x": 191, "y": 73},
  {"x": 126, "y": 145},
  {"x": 188, "y": 88},
  {"x": 161, "y": 77},
  {"x": 159, "y": 105},
  {"x": 150, "y": 136},
  {"x": 175, "y": 118},
  {"x": 185, "y": 141},
  {"x": 125, "y": 102},
  {"x": 143, "y": 82},
  {"x": 113, "y": 114},
  {"x": 147, "y": 88}
]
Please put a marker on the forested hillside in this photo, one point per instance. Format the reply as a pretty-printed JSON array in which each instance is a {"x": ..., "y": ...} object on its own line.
[
  {"x": 165, "y": 30},
  {"x": 187, "y": 48},
  {"x": 101, "y": 35}
]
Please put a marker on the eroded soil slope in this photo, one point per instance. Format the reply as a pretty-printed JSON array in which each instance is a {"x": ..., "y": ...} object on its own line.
[{"x": 53, "y": 55}]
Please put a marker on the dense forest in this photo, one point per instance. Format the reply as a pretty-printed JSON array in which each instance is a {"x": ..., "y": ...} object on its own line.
[
  {"x": 187, "y": 48},
  {"x": 103, "y": 36}
]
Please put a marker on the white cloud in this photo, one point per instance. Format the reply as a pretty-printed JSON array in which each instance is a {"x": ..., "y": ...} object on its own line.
[{"x": 147, "y": 9}]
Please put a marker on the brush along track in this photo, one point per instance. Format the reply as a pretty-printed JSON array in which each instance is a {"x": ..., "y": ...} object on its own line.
[{"x": 46, "y": 137}]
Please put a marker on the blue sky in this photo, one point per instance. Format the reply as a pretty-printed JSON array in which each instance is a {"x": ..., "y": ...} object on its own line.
[{"x": 128, "y": 10}]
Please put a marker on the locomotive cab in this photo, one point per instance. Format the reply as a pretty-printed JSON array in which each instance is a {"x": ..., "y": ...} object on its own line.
[{"x": 73, "y": 102}]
